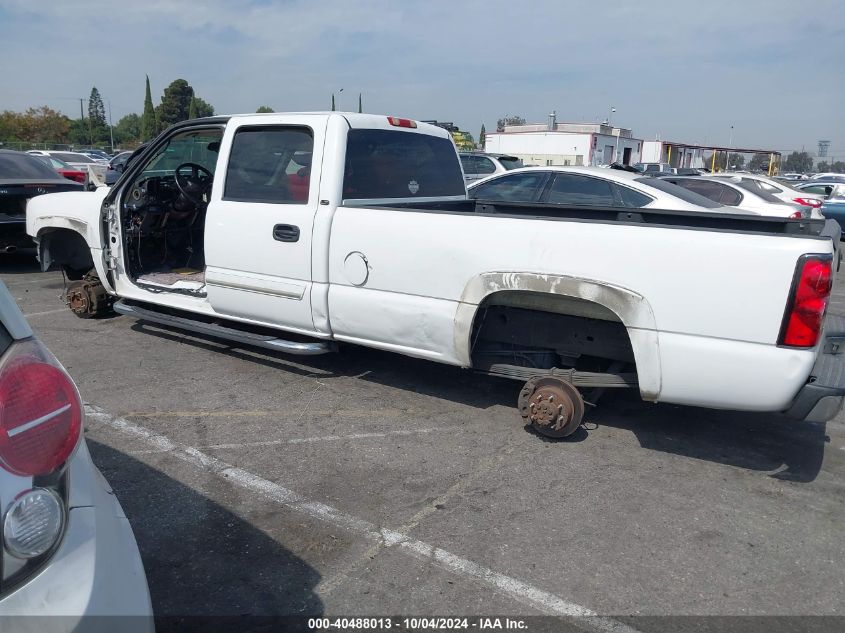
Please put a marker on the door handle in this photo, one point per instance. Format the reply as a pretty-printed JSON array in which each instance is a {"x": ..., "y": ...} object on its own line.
[{"x": 286, "y": 233}]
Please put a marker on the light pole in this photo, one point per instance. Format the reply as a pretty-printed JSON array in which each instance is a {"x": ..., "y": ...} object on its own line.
[
  {"x": 616, "y": 151},
  {"x": 728, "y": 153},
  {"x": 111, "y": 129}
]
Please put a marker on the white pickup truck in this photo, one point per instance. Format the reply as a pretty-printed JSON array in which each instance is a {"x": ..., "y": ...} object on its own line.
[{"x": 300, "y": 231}]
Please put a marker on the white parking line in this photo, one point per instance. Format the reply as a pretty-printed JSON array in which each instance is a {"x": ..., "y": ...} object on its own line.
[
  {"x": 512, "y": 587},
  {"x": 35, "y": 314},
  {"x": 326, "y": 438}
]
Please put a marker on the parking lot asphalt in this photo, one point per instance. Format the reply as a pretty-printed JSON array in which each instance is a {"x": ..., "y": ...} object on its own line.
[{"x": 370, "y": 483}]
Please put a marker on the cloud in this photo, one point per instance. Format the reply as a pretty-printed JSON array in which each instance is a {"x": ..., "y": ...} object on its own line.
[{"x": 686, "y": 70}]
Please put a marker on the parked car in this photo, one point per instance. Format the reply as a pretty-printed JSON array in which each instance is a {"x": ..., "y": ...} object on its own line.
[
  {"x": 97, "y": 154},
  {"x": 822, "y": 188},
  {"x": 67, "y": 549},
  {"x": 116, "y": 166},
  {"x": 654, "y": 168},
  {"x": 589, "y": 186},
  {"x": 785, "y": 192},
  {"x": 834, "y": 209},
  {"x": 203, "y": 233},
  {"x": 477, "y": 165},
  {"x": 63, "y": 169},
  {"x": 23, "y": 177},
  {"x": 829, "y": 176},
  {"x": 738, "y": 194},
  {"x": 95, "y": 170}
]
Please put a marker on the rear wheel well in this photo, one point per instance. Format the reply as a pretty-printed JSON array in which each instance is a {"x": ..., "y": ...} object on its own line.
[
  {"x": 542, "y": 330},
  {"x": 64, "y": 249}
]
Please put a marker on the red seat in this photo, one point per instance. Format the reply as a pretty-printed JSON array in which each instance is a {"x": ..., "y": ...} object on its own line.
[{"x": 298, "y": 185}]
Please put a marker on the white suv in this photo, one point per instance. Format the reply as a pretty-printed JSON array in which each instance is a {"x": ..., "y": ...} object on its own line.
[{"x": 478, "y": 165}]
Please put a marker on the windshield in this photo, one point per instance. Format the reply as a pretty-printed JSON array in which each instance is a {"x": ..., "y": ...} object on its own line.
[
  {"x": 510, "y": 162},
  {"x": 679, "y": 192},
  {"x": 23, "y": 166},
  {"x": 392, "y": 164}
]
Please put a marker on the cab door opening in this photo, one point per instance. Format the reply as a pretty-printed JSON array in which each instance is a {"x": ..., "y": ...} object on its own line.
[{"x": 163, "y": 213}]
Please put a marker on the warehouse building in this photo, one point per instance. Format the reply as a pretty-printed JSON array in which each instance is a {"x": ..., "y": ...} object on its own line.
[{"x": 556, "y": 143}]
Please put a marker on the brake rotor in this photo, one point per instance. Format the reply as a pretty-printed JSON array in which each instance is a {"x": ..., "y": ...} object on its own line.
[
  {"x": 551, "y": 406},
  {"x": 87, "y": 298}
]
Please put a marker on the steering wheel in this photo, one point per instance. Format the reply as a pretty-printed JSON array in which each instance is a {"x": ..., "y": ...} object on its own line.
[{"x": 193, "y": 186}]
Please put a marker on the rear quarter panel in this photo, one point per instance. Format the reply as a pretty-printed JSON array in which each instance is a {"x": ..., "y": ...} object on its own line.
[{"x": 701, "y": 286}]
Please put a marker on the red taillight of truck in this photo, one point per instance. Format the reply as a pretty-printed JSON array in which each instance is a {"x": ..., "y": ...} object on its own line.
[{"x": 802, "y": 323}]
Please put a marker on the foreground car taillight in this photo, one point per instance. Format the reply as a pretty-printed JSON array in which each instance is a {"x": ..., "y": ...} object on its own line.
[
  {"x": 40, "y": 411},
  {"x": 33, "y": 523},
  {"x": 808, "y": 202},
  {"x": 802, "y": 323}
]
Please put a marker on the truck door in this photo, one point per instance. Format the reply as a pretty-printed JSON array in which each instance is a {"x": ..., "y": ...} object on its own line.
[{"x": 260, "y": 219}]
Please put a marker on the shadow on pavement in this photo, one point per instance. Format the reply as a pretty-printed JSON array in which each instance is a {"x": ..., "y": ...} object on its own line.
[
  {"x": 761, "y": 442},
  {"x": 202, "y": 560},
  {"x": 754, "y": 441}
]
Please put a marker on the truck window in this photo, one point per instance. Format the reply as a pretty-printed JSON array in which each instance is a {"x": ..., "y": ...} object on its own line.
[
  {"x": 392, "y": 164},
  {"x": 192, "y": 146},
  {"x": 270, "y": 164}
]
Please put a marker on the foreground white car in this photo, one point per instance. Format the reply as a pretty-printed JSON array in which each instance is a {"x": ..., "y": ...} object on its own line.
[{"x": 67, "y": 548}]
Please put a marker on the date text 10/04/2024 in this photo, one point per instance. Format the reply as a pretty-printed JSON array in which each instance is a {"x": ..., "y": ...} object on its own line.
[{"x": 417, "y": 624}]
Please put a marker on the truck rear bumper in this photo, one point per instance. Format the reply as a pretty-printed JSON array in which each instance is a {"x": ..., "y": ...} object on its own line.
[{"x": 821, "y": 399}]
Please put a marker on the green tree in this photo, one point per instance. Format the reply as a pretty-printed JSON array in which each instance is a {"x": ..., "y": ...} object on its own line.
[
  {"x": 204, "y": 108},
  {"x": 149, "y": 121},
  {"x": 798, "y": 162},
  {"x": 823, "y": 166},
  {"x": 127, "y": 129},
  {"x": 175, "y": 103},
  {"x": 96, "y": 109},
  {"x": 509, "y": 119},
  {"x": 45, "y": 125},
  {"x": 80, "y": 133},
  {"x": 360, "y": 106},
  {"x": 264, "y": 109},
  {"x": 10, "y": 125},
  {"x": 482, "y": 136}
]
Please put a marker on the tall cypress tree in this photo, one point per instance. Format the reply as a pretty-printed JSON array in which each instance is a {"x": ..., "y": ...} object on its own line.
[
  {"x": 149, "y": 125},
  {"x": 333, "y": 102},
  {"x": 360, "y": 108},
  {"x": 482, "y": 136}
]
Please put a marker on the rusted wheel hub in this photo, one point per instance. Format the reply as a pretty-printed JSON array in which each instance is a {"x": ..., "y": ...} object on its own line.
[
  {"x": 551, "y": 406},
  {"x": 88, "y": 298}
]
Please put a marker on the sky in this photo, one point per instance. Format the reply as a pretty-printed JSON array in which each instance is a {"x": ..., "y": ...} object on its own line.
[{"x": 683, "y": 71}]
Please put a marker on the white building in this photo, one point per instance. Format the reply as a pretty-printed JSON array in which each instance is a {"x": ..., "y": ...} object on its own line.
[{"x": 566, "y": 144}]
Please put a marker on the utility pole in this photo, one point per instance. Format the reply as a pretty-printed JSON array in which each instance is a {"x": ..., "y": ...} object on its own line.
[{"x": 111, "y": 129}]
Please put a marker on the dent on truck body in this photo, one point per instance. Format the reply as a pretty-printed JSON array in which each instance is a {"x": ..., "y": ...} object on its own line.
[{"x": 570, "y": 296}]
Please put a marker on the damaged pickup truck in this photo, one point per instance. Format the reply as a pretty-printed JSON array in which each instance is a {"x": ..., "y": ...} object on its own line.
[{"x": 296, "y": 232}]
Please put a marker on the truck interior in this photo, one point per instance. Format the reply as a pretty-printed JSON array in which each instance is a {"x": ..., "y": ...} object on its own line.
[{"x": 163, "y": 209}]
